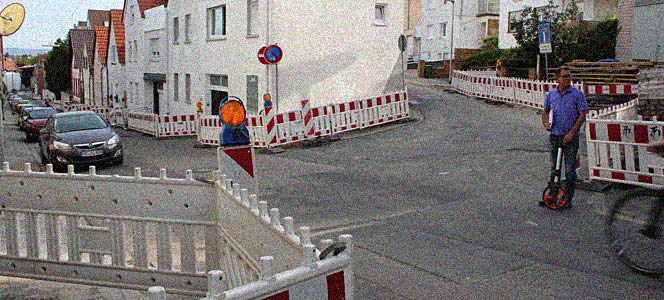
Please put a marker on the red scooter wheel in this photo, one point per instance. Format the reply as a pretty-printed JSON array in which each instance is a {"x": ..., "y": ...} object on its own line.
[{"x": 558, "y": 202}]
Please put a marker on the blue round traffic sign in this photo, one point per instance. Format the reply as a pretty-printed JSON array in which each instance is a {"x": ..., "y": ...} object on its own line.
[{"x": 273, "y": 54}]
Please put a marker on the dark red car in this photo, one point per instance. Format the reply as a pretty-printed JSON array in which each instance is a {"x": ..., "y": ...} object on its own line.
[{"x": 35, "y": 121}]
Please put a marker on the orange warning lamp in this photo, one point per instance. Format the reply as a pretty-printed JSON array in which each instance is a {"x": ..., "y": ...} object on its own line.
[
  {"x": 232, "y": 115},
  {"x": 199, "y": 106}
]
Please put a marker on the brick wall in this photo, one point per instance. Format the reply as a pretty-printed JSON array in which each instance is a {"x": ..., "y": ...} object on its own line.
[{"x": 624, "y": 40}]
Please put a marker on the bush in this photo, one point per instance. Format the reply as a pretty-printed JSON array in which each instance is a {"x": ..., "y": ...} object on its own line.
[{"x": 487, "y": 57}]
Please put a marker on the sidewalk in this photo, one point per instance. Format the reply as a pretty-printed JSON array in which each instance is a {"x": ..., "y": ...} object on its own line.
[{"x": 412, "y": 78}]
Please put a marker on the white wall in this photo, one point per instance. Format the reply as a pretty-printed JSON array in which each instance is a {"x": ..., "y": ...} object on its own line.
[
  {"x": 12, "y": 80},
  {"x": 332, "y": 51},
  {"x": 468, "y": 32},
  {"x": 116, "y": 71},
  {"x": 135, "y": 57}
]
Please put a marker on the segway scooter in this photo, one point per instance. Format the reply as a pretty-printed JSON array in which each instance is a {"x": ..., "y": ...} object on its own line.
[{"x": 554, "y": 196}]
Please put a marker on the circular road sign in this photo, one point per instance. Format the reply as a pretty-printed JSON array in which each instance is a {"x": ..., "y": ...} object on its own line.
[
  {"x": 273, "y": 54},
  {"x": 261, "y": 56}
]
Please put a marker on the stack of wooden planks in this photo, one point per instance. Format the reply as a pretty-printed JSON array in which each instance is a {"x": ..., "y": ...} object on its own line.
[
  {"x": 599, "y": 73},
  {"x": 651, "y": 94}
]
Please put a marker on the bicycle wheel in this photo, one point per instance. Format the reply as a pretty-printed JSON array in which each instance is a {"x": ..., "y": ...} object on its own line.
[{"x": 625, "y": 224}]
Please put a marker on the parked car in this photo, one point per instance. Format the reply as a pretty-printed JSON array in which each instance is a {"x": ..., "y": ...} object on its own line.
[
  {"x": 79, "y": 138},
  {"x": 19, "y": 102},
  {"x": 20, "y": 107},
  {"x": 25, "y": 111},
  {"x": 35, "y": 121}
]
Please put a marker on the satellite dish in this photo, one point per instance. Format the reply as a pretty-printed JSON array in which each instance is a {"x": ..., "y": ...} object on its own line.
[{"x": 11, "y": 18}]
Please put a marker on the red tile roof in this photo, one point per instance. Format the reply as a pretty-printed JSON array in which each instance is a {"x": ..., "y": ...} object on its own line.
[
  {"x": 10, "y": 66},
  {"x": 98, "y": 17},
  {"x": 144, "y": 5},
  {"x": 119, "y": 31},
  {"x": 101, "y": 38}
]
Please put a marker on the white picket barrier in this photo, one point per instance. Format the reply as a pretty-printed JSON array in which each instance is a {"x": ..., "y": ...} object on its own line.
[
  {"x": 190, "y": 237},
  {"x": 384, "y": 109}
]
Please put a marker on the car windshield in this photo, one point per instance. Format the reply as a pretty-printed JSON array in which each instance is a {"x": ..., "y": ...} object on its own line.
[
  {"x": 78, "y": 123},
  {"x": 41, "y": 113}
]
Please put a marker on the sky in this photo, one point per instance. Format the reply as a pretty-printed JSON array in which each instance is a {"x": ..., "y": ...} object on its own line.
[{"x": 47, "y": 20}]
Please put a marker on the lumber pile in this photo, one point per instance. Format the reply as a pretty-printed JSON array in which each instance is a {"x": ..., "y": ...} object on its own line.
[
  {"x": 651, "y": 94},
  {"x": 599, "y": 73}
]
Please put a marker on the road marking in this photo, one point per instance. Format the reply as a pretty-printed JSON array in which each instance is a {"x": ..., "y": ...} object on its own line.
[{"x": 341, "y": 228}]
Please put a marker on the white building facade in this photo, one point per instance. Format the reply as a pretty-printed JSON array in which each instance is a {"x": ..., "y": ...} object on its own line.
[
  {"x": 116, "y": 60},
  {"x": 589, "y": 10},
  {"x": 145, "y": 31},
  {"x": 473, "y": 21},
  {"x": 332, "y": 52}
]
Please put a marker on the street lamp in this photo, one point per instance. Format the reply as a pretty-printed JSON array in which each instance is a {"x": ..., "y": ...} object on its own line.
[{"x": 451, "y": 39}]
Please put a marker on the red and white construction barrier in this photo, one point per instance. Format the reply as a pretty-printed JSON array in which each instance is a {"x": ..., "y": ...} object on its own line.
[
  {"x": 520, "y": 91},
  {"x": 270, "y": 129},
  {"x": 617, "y": 148},
  {"x": 610, "y": 89},
  {"x": 178, "y": 125}
]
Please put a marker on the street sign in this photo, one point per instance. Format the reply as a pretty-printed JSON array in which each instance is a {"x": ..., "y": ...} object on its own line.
[
  {"x": 544, "y": 35},
  {"x": 261, "y": 56},
  {"x": 402, "y": 43},
  {"x": 273, "y": 54}
]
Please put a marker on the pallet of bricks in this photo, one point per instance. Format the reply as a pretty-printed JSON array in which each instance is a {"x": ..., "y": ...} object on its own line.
[
  {"x": 651, "y": 94},
  {"x": 602, "y": 73}
]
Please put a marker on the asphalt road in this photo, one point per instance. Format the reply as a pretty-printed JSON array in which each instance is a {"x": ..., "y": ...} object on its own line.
[{"x": 443, "y": 207}]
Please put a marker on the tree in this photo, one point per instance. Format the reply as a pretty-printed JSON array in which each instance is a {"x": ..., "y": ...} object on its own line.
[
  {"x": 569, "y": 36},
  {"x": 58, "y": 70}
]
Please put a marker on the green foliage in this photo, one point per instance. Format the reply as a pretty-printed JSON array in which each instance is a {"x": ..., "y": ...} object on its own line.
[
  {"x": 487, "y": 57},
  {"x": 570, "y": 38},
  {"x": 514, "y": 57},
  {"x": 58, "y": 71}
]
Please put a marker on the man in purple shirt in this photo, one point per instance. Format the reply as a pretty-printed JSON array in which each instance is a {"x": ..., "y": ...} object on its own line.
[{"x": 565, "y": 110}]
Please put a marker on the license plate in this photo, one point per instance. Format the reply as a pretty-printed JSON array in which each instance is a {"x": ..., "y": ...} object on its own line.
[{"x": 92, "y": 153}]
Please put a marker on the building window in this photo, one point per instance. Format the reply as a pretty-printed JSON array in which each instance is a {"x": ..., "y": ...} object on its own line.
[
  {"x": 514, "y": 16},
  {"x": 129, "y": 53},
  {"x": 443, "y": 29},
  {"x": 216, "y": 18},
  {"x": 430, "y": 32},
  {"x": 187, "y": 28},
  {"x": 252, "y": 93},
  {"x": 252, "y": 18},
  {"x": 380, "y": 13},
  {"x": 218, "y": 80},
  {"x": 176, "y": 87},
  {"x": 176, "y": 30},
  {"x": 187, "y": 88},
  {"x": 154, "y": 49}
]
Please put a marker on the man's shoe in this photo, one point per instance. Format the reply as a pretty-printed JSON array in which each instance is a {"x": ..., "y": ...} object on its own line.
[{"x": 541, "y": 203}]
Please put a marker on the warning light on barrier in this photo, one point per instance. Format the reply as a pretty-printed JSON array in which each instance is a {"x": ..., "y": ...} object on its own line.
[
  {"x": 232, "y": 115},
  {"x": 267, "y": 100}
]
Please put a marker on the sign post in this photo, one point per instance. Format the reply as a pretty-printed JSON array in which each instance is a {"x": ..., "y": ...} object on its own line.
[
  {"x": 544, "y": 35},
  {"x": 403, "y": 44}
]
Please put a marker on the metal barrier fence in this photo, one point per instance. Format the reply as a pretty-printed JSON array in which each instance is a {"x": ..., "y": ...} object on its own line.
[
  {"x": 136, "y": 232},
  {"x": 617, "y": 148},
  {"x": 269, "y": 129}
]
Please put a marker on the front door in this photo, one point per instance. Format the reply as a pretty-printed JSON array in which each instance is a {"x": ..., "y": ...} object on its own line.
[
  {"x": 156, "y": 86},
  {"x": 216, "y": 97}
]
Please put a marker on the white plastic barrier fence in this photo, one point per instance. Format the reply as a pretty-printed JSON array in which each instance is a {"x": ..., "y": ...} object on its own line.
[
  {"x": 142, "y": 122},
  {"x": 617, "y": 148},
  {"x": 134, "y": 232},
  {"x": 178, "y": 125},
  {"x": 103, "y": 111},
  {"x": 271, "y": 129},
  {"x": 520, "y": 91}
]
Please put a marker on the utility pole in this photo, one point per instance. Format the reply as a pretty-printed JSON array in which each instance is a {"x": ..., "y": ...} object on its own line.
[{"x": 451, "y": 40}]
